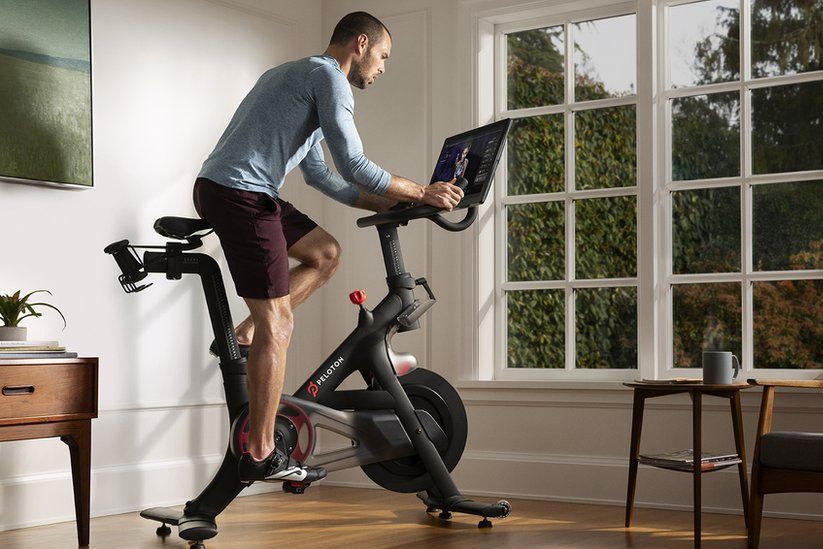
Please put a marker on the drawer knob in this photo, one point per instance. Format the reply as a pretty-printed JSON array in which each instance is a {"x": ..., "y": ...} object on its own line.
[{"x": 14, "y": 390}]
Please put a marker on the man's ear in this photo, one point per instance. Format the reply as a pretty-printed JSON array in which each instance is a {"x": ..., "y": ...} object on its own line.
[{"x": 361, "y": 44}]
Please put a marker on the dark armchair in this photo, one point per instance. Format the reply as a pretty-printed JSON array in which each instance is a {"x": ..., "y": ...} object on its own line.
[{"x": 783, "y": 461}]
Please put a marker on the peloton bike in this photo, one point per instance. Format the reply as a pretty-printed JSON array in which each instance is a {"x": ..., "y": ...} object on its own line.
[{"x": 407, "y": 427}]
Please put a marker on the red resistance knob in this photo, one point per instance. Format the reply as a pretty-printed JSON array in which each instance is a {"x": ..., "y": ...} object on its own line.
[{"x": 358, "y": 297}]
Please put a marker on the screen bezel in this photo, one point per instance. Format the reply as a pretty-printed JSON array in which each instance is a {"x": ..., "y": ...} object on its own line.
[{"x": 480, "y": 197}]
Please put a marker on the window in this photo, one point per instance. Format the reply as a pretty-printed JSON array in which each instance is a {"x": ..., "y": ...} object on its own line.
[
  {"x": 567, "y": 230},
  {"x": 731, "y": 202},
  {"x": 743, "y": 177}
]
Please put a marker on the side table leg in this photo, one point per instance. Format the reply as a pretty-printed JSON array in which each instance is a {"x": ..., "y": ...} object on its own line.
[
  {"x": 740, "y": 446},
  {"x": 698, "y": 460},
  {"x": 634, "y": 451},
  {"x": 79, "y": 443}
]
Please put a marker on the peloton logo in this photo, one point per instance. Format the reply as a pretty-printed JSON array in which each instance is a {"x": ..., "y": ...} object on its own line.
[{"x": 336, "y": 364}]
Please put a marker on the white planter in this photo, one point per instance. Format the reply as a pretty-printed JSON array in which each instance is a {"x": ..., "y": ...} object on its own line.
[{"x": 13, "y": 333}]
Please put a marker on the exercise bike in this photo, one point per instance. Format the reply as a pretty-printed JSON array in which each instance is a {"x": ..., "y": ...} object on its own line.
[{"x": 407, "y": 427}]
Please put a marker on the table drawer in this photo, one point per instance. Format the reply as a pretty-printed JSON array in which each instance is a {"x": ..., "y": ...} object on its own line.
[{"x": 36, "y": 390}]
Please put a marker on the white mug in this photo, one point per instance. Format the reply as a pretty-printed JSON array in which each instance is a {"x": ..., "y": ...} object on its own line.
[{"x": 717, "y": 367}]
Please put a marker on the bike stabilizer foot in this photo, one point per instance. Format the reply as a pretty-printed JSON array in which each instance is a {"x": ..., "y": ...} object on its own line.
[{"x": 501, "y": 509}]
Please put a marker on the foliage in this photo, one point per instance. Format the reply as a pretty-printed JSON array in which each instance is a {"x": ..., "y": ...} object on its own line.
[
  {"x": 787, "y": 225},
  {"x": 606, "y": 228},
  {"x": 14, "y": 308}
]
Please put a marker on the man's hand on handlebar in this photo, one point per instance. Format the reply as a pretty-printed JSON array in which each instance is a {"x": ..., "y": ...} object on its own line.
[{"x": 442, "y": 194}]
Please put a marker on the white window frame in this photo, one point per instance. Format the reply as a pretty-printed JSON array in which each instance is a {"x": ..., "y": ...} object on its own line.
[
  {"x": 567, "y": 197},
  {"x": 654, "y": 187},
  {"x": 747, "y": 276}
]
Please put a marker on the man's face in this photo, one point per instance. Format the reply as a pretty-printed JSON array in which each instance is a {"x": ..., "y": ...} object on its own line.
[{"x": 371, "y": 64}]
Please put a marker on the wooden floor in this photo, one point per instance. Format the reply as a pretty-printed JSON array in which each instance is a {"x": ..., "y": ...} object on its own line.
[{"x": 328, "y": 516}]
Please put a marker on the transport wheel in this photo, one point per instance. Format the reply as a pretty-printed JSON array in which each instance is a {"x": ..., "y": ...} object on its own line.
[{"x": 433, "y": 394}]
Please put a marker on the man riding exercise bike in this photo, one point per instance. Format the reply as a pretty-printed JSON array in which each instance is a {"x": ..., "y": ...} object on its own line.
[{"x": 278, "y": 126}]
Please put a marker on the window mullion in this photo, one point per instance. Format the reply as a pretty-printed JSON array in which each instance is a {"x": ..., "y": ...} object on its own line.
[
  {"x": 746, "y": 291},
  {"x": 571, "y": 348},
  {"x": 665, "y": 356},
  {"x": 647, "y": 324}
]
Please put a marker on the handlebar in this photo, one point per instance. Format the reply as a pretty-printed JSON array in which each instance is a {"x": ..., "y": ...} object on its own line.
[
  {"x": 399, "y": 217},
  {"x": 456, "y": 226},
  {"x": 403, "y": 215}
]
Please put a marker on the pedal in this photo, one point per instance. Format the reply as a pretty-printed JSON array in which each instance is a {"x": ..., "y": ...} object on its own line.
[{"x": 294, "y": 487}]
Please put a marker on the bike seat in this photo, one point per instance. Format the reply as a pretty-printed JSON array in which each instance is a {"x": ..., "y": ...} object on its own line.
[{"x": 180, "y": 228}]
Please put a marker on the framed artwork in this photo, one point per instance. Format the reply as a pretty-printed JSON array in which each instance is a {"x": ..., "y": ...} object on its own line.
[{"x": 45, "y": 91}]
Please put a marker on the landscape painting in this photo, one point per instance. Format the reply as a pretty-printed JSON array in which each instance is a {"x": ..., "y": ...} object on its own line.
[{"x": 45, "y": 91}]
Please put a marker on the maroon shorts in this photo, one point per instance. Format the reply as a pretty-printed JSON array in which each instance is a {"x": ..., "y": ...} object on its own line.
[{"x": 255, "y": 231}]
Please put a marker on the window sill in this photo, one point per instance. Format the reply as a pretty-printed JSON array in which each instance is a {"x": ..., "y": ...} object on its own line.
[{"x": 568, "y": 384}]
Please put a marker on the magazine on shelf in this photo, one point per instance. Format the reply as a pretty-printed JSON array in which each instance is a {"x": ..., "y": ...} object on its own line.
[
  {"x": 32, "y": 349},
  {"x": 5, "y": 344},
  {"x": 42, "y": 354},
  {"x": 686, "y": 457}
]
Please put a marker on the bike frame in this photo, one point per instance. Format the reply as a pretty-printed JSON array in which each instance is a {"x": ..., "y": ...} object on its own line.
[{"x": 383, "y": 423}]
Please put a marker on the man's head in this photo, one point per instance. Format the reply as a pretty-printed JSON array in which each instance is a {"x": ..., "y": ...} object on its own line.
[{"x": 367, "y": 42}]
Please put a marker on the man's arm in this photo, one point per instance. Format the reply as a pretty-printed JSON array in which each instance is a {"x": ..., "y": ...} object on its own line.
[
  {"x": 335, "y": 109},
  {"x": 318, "y": 175}
]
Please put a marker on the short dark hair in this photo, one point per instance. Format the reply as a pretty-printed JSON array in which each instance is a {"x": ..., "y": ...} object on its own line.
[{"x": 355, "y": 24}]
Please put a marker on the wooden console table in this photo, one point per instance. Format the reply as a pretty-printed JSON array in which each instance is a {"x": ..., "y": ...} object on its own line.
[
  {"x": 644, "y": 390},
  {"x": 44, "y": 398}
]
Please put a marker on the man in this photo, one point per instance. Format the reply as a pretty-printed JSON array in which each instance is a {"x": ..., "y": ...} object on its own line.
[{"x": 279, "y": 125}]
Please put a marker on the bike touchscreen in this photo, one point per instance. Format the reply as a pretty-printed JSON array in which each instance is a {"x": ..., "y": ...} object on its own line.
[{"x": 472, "y": 156}]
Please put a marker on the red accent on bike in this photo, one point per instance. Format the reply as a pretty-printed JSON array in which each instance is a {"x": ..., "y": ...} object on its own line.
[
  {"x": 403, "y": 368},
  {"x": 313, "y": 389},
  {"x": 358, "y": 297},
  {"x": 305, "y": 433}
]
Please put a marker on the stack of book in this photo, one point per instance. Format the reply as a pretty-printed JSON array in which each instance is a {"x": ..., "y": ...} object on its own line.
[
  {"x": 683, "y": 460},
  {"x": 33, "y": 349}
]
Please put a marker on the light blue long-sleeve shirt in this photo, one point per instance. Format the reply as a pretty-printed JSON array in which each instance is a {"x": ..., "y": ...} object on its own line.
[{"x": 279, "y": 125}]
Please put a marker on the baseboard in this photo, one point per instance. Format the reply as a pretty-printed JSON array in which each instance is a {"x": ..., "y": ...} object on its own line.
[{"x": 34, "y": 500}]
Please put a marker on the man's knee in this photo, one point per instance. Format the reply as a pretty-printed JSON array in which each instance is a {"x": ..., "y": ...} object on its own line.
[{"x": 326, "y": 258}]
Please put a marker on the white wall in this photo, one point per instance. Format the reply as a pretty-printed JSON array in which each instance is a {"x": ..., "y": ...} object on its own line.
[
  {"x": 544, "y": 441},
  {"x": 167, "y": 76}
]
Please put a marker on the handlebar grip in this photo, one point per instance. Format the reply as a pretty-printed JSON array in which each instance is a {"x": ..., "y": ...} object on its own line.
[{"x": 456, "y": 226}]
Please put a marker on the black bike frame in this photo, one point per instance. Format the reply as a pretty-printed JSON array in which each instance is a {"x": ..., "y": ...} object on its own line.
[{"x": 397, "y": 431}]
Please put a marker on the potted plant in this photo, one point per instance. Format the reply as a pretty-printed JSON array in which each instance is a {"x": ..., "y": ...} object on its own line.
[{"x": 14, "y": 308}]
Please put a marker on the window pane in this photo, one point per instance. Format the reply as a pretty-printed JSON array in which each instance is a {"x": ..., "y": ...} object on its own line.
[
  {"x": 788, "y": 324},
  {"x": 536, "y": 322},
  {"x": 607, "y": 328},
  {"x": 787, "y": 37},
  {"x": 536, "y": 240},
  {"x": 605, "y": 58},
  {"x": 535, "y": 67},
  {"x": 704, "y": 45},
  {"x": 706, "y": 230},
  {"x": 605, "y": 150},
  {"x": 787, "y": 125},
  {"x": 706, "y": 136},
  {"x": 788, "y": 226},
  {"x": 606, "y": 237},
  {"x": 535, "y": 155},
  {"x": 706, "y": 317}
]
